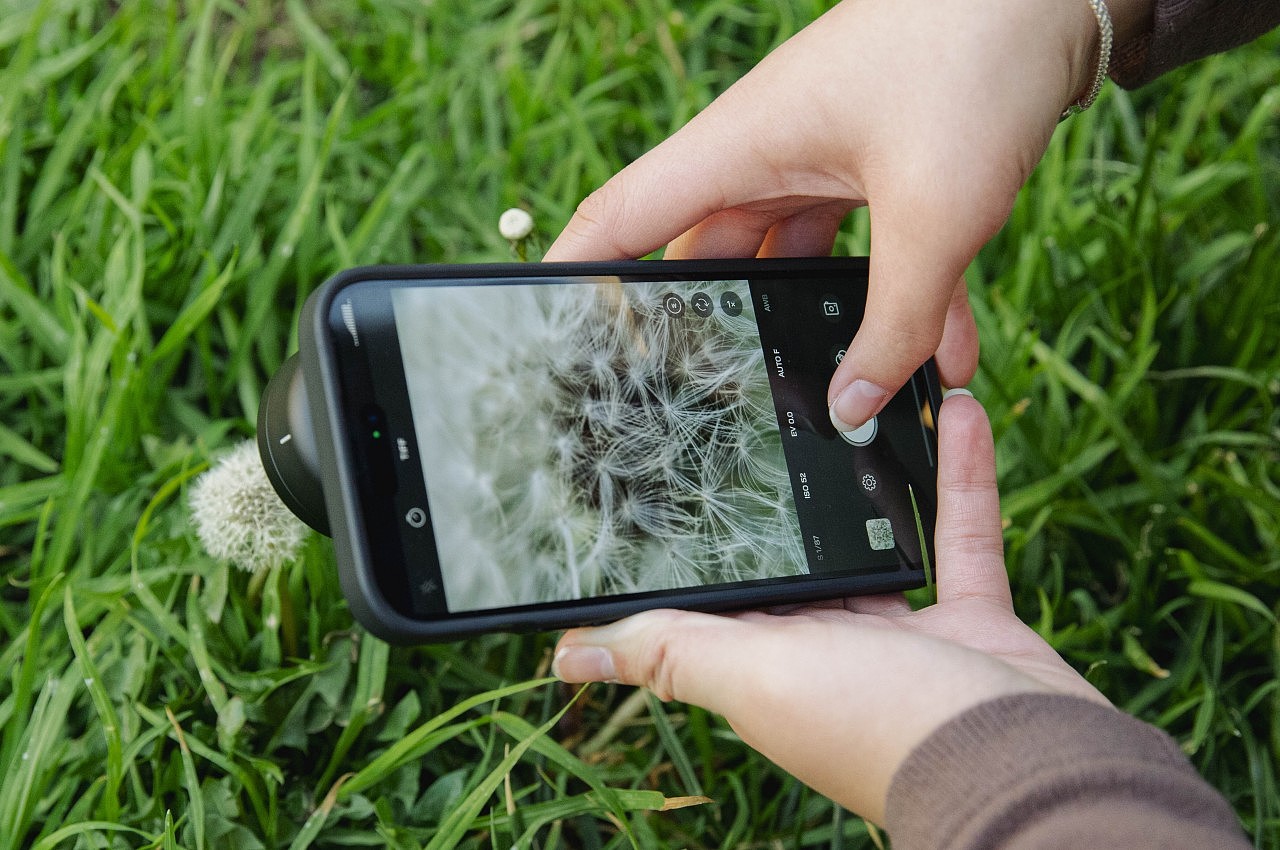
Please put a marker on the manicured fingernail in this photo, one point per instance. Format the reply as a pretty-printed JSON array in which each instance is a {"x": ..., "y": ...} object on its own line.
[
  {"x": 856, "y": 404},
  {"x": 583, "y": 664},
  {"x": 956, "y": 391}
]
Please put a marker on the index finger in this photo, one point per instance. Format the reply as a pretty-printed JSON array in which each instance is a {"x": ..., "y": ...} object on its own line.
[{"x": 701, "y": 169}]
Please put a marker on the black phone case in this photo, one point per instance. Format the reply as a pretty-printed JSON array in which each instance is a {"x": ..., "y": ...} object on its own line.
[{"x": 357, "y": 570}]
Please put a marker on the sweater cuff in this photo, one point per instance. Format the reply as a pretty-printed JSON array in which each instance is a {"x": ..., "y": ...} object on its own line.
[
  {"x": 1012, "y": 766},
  {"x": 1183, "y": 31}
]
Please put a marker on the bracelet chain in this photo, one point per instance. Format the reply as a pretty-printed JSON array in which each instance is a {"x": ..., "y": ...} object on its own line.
[{"x": 1106, "y": 35}]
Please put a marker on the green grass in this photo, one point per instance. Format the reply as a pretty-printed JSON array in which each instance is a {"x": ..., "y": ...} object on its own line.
[
  {"x": 175, "y": 179},
  {"x": 1131, "y": 363}
]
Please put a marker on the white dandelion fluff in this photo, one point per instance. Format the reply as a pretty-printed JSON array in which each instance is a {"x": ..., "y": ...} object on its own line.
[
  {"x": 586, "y": 443},
  {"x": 515, "y": 224},
  {"x": 239, "y": 517}
]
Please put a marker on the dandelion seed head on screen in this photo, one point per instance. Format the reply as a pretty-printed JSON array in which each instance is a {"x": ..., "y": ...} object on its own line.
[{"x": 629, "y": 450}]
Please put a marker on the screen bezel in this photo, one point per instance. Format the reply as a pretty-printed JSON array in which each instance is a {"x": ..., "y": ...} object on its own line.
[{"x": 371, "y": 578}]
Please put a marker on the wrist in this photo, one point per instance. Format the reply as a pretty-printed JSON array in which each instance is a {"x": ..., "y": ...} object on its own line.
[{"x": 1098, "y": 26}]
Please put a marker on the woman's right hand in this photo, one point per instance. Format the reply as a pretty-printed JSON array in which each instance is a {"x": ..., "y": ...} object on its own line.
[{"x": 931, "y": 112}]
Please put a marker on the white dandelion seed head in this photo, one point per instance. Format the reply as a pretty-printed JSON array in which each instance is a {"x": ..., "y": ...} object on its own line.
[
  {"x": 239, "y": 517},
  {"x": 515, "y": 224},
  {"x": 621, "y": 451}
]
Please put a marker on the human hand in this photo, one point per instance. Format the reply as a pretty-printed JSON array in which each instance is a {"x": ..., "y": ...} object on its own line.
[
  {"x": 931, "y": 112},
  {"x": 838, "y": 694}
]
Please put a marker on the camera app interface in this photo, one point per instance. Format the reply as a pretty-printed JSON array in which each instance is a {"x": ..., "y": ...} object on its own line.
[{"x": 597, "y": 439}]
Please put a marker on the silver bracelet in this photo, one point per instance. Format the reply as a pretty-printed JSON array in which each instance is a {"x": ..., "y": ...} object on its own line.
[{"x": 1105, "y": 33}]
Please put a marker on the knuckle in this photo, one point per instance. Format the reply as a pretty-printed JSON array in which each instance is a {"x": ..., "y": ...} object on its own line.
[
  {"x": 597, "y": 208},
  {"x": 904, "y": 340},
  {"x": 659, "y": 655},
  {"x": 662, "y": 673},
  {"x": 603, "y": 217}
]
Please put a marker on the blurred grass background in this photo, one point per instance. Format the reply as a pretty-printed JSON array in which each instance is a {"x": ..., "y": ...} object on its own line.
[{"x": 175, "y": 178}]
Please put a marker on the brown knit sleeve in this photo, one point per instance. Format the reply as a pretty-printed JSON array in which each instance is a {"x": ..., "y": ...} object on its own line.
[
  {"x": 1185, "y": 30},
  {"x": 1050, "y": 771}
]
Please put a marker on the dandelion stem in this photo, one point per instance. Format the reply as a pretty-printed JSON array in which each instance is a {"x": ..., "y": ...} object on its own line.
[{"x": 288, "y": 619}]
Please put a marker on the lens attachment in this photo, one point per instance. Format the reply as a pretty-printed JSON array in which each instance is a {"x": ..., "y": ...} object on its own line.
[{"x": 286, "y": 444}]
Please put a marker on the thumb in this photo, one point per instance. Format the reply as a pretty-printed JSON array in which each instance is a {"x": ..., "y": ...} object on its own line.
[
  {"x": 681, "y": 655},
  {"x": 912, "y": 291},
  {"x": 968, "y": 535}
]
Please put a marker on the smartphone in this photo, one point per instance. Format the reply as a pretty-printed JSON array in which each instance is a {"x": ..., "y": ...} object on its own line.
[{"x": 534, "y": 446}]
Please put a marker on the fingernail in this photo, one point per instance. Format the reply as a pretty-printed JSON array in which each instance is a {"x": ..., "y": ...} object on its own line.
[
  {"x": 956, "y": 391},
  {"x": 856, "y": 404},
  {"x": 583, "y": 664}
]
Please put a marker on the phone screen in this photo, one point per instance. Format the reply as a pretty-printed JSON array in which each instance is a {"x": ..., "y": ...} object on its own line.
[{"x": 538, "y": 442}]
